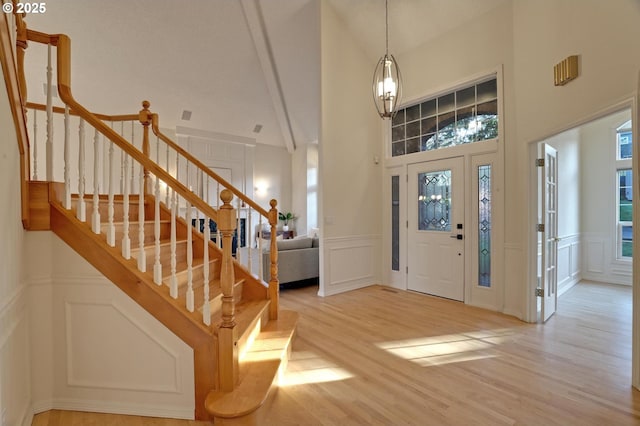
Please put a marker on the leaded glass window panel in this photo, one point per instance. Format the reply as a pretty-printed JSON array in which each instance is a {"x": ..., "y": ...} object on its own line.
[
  {"x": 484, "y": 225},
  {"x": 434, "y": 201},
  {"x": 467, "y": 115}
]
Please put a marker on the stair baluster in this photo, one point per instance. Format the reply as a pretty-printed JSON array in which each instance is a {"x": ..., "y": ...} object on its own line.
[
  {"x": 173, "y": 283},
  {"x": 95, "y": 216},
  {"x": 166, "y": 195},
  {"x": 122, "y": 160},
  {"x": 157, "y": 266},
  {"x": 111, "y": 229},
  {"x": 188, "y": 216},
  {"x": 49, "y": 144},
  {"x": 126, "y": 241},
  {"x": 34, "y": 143},
  {"x": 67, "y": 159},
  {"x": 82, "y": 208}
]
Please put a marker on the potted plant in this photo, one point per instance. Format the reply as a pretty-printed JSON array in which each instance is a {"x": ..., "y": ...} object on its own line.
[{"x": 286, "y": 217}]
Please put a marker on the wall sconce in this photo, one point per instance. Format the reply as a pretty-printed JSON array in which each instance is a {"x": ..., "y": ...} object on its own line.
[
  {"x": 261, "y": 188},
  {"x": 565, "y": 71}
]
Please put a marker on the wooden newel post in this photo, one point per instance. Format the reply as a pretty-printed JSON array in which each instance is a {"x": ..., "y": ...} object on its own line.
[
  {"x": 227, "y": 348},
  {"x": 145, "y": 119},
  {"x": 274, "y": 283}
]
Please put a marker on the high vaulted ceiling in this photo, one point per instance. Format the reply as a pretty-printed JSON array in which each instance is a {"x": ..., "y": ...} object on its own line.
[{"x": 232, "y": 63}]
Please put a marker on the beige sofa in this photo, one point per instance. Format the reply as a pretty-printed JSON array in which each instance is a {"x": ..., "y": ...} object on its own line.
[{"x": 298, "y": 259}]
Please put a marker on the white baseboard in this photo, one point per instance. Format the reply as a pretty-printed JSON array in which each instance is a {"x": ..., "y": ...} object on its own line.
[{"x": 111, "y": 407}]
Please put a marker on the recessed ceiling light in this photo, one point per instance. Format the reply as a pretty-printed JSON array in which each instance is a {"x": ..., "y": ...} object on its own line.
[
  {"x": 257, "y": 128},
  {"x": 186, "y": 115}
]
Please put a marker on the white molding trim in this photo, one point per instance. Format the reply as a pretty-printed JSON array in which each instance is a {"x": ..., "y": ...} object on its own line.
[
  {"x": 74, "y": 382},
  {"x": 7, "y": 303},
  {"x": 110, "y": 407},
  {"x": 364, "y": 270}
]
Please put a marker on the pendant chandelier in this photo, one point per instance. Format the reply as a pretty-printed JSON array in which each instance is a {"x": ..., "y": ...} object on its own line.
[{"x": 387, "y": 85}]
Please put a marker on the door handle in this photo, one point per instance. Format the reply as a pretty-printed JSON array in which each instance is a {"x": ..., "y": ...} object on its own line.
[{"x": 457, "y": 236}]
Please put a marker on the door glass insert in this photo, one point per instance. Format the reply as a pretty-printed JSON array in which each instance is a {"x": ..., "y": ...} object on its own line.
[
  {"x": 434, "y": 201},
  {"x": 484, "y": 225}
]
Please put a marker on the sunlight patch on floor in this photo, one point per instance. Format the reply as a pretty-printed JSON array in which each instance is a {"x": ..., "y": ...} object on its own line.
[
  {"x": 447, "y": 349},
  {"x": 308, "y": 367}
]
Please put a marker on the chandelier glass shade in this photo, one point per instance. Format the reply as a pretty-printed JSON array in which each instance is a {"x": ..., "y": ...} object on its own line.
[{"x": 387, "y": 87}]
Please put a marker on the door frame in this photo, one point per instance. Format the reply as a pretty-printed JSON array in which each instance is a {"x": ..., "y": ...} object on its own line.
[
  {"x": 531, "y": 301},
  {"x": 480, "y": 153}
]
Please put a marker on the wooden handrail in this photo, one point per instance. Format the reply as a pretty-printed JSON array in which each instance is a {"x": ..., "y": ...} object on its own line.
[
  {"x": 207, "y": 170},
  {"x": 104, "y": 117},
  {"x": 43, "y": 38},
  {"x": 12, "y": 82},
  {"x": 63, "y": 43}
]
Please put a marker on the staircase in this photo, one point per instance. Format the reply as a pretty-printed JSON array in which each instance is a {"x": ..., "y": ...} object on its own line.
[{"x": 135, "y": 220}]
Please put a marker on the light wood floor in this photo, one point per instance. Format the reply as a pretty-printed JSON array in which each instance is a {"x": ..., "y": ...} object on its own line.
[{"x": 378, "y": 356}]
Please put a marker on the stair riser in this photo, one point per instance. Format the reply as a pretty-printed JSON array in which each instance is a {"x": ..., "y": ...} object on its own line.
[
  {"x": 149, "y": 232},
  {"x": 118, "y": 209},
  {"x": 198, "y": 274},
  {"x": 165, "y": 254}
]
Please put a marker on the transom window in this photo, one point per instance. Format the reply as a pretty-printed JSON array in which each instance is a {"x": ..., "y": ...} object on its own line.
[{"x": 463, "y": 116}]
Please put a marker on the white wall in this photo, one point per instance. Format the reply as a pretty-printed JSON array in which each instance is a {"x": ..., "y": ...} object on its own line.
[
  {"x": 482, "y": 47},
  {"x": 94, "y": 348},
  {"x": 351, "y": 219},
  {"x": 273, "y": 166},
  {"x": 604, "y": 35},
  {"x": 299, "y": 188},
  {"x": 15, "y": 353},
  {"x": 598, "y": 144}
]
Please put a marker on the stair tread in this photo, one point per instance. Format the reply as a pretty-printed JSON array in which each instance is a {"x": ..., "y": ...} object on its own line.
[
  {"x": 246, "y": 312},
  {"x": 260, "y": 367}
]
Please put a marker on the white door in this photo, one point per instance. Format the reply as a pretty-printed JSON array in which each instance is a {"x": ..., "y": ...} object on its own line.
[
  {"x": 549, "y": 199},
  {"x": 436, "y": 228}
]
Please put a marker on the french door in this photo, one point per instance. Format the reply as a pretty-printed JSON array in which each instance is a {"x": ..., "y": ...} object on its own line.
[
  {"x": 436, "y": 228},
  {"x": 549, "y": 233}
]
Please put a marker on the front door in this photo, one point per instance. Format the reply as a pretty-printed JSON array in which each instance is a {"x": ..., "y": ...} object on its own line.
[{"x": 436, "y": 228}]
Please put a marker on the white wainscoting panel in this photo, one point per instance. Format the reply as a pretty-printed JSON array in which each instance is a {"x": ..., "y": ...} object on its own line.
[
  {"x": 600, "y": 262},
  {"x": 106, "y": 347},
  {"x": 15, "y": 379},
  {"x": 568, "y": 262},
  {"x": 101, "y": 350},
  {"x": 349, "y": 263}
]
